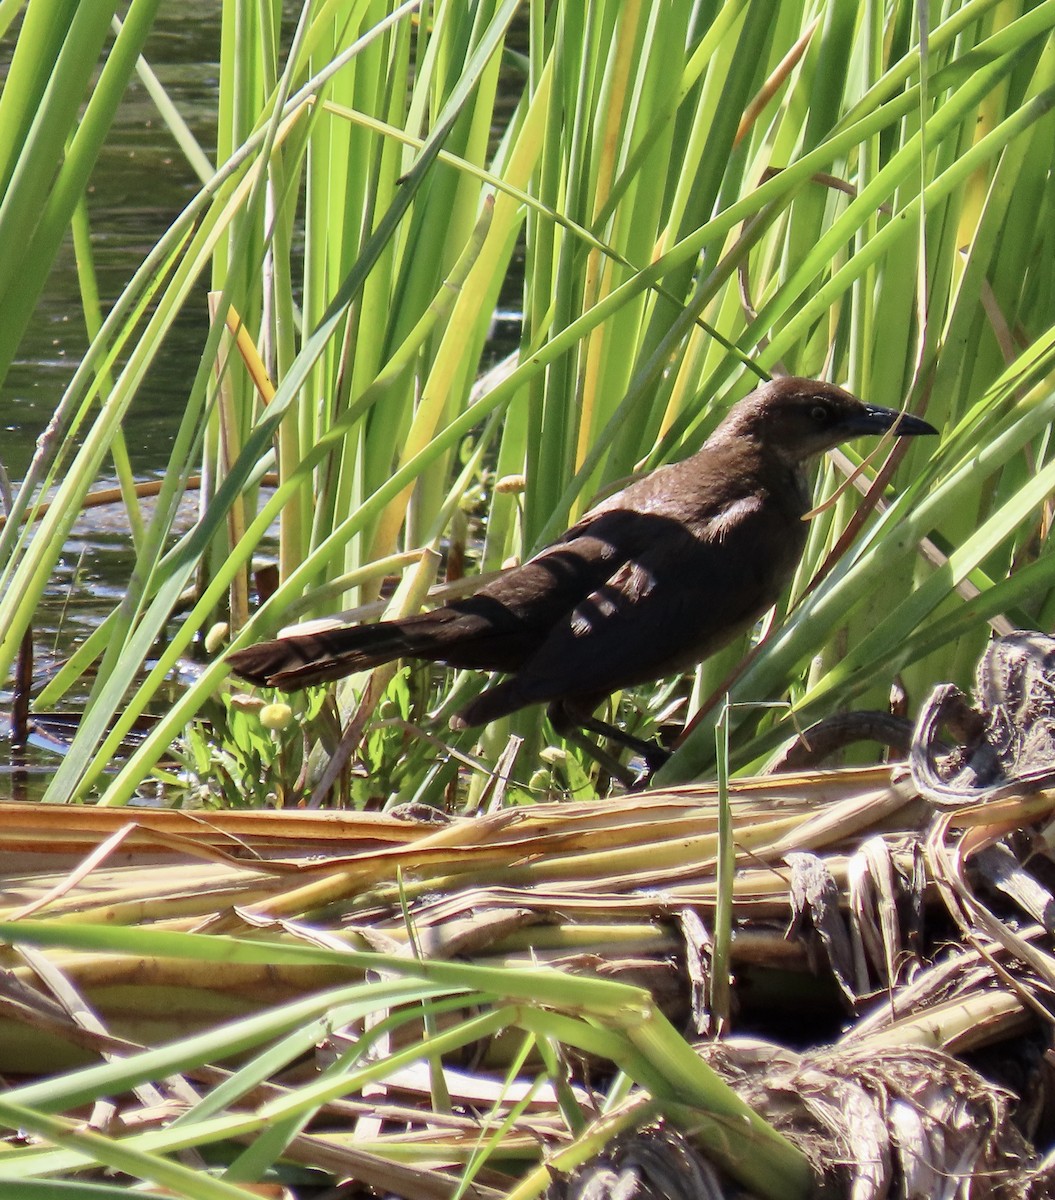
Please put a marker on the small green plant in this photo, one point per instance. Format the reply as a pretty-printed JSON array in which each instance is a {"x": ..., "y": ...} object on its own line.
[
  {"x": 266, "y": 749},
  {"x": 384, "y": 748},
  {"x": 244, "y": 751}
]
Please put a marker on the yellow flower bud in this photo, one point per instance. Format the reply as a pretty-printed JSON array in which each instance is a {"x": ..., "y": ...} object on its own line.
[{"x": 276, "y": 716}]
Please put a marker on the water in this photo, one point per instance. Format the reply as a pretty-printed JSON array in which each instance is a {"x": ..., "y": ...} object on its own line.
[
  {"x": 138, "y": 187},
  {"x": 140, "y": 183}
]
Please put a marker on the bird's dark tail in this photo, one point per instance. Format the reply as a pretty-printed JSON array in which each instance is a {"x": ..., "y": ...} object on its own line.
[{"x": 299, "y": 660}]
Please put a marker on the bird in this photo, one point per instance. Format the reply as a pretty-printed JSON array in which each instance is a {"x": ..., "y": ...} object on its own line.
[{"x": 647, "y": 584}]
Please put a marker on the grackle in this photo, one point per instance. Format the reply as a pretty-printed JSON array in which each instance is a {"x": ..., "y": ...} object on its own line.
[{"x": 648, "y": 583}]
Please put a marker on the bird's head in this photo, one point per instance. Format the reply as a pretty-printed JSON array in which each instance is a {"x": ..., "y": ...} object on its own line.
[{"x": 797, "y": 419}]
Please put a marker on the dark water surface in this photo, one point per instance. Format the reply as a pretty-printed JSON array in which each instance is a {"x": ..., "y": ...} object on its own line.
[{"x": 140, "y": 184}]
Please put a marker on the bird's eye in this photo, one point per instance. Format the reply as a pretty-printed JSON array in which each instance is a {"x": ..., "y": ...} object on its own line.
[{"x": 819, "y": 414}]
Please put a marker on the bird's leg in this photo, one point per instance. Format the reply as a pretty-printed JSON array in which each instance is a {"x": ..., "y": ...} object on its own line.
[
  {"x": 651, "y": 751},
  {"x": 570, "y": 731},
  {"x": 569, "y": 720}
]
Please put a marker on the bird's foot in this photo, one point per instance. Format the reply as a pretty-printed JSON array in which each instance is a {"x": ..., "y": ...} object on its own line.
[
  {"x": 569, "y": 720},
  {"x": 645, "y": 763}
]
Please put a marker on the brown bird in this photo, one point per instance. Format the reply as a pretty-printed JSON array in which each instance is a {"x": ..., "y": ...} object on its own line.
[{"x": 648, "y": 583}]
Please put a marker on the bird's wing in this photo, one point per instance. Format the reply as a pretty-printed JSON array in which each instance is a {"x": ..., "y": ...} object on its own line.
[
  {"x": 663, "y": 608},
  {"x": 542, "y": 591}
]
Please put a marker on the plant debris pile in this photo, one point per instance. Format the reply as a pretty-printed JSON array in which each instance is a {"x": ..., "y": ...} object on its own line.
[{"x": 883, "y": 1003}]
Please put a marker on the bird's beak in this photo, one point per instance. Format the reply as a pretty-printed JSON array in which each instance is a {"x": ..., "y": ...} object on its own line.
[{"x": 873, "y": 419}]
